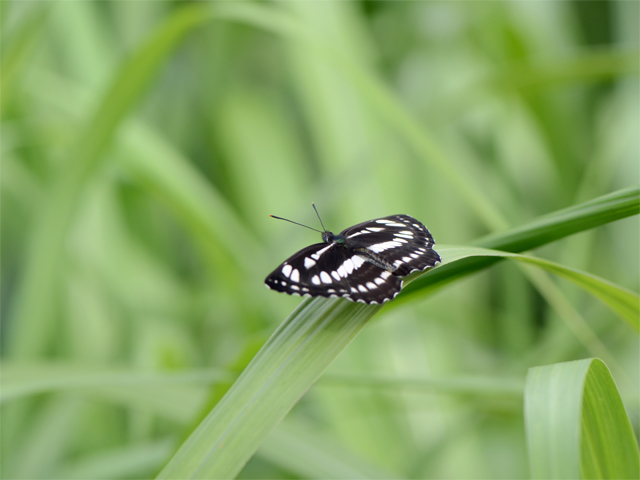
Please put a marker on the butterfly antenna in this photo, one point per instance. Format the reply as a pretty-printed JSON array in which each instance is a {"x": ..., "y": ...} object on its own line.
[
  {"x": 291, "y": 221},
  {"x": 314, "y": 207}
]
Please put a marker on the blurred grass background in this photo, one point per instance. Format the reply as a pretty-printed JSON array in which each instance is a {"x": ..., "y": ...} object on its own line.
[{"x": 140, "y": 164}]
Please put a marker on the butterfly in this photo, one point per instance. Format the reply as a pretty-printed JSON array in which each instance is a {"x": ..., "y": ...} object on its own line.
[{"x": 364, "y": 263}]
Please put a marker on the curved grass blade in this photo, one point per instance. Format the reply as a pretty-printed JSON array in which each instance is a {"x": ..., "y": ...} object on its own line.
[
  {"x": 160, "y": 166},
  {"x": 295, "y": 356},
  {"x": 599, "y": 211},
  {"x": 562, "y": 223},
  {"x": 576, "y": 424},
  {"x": 622, "y": 301}
]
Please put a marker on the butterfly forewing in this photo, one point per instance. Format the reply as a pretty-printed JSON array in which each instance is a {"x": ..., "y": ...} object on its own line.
[
  {"x": 327, "y": 270},
  {"x": 366, "y": 268}
]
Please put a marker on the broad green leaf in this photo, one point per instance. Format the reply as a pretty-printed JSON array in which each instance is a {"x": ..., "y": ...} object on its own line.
[
  {"x": 284, "y": 369},
  {"x": 576, "y": 424},
  {"x": 622, "y": 301}
]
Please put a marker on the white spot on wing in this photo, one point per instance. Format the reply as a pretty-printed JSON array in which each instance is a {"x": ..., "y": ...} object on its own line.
[
  {"x": 361, "y": 232},
  {"x": 371, "y": 285},
  {"x": 335, "y": 275},
  {"x": 295, "y": 275},
  {"x": 315, "y": 280},
  {"x": 406, "y": 259},
  {"x": 357, "y": 261},
  {"x": 309, "y": 262},
  {"x": 342, "y": 271},
  {"x": 385, "y": 275},
  {"x": 381, "y": 247},
  {"x": 379, "y": 281},
  {"x": 349, "y": 266},
  {"x": 375, "y": 229},
  {"x": 324, "y": 276},
  {"x": 295, "y": 287},
  {"x": 319, "y": 253},
  {"x": 362, "y": 288},
  {"x": 286, "y": 270}
]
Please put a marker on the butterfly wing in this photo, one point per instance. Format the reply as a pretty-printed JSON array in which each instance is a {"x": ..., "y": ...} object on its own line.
[
  {"x": 328, "y": 270},
  {"x": 400, "y": 241}
]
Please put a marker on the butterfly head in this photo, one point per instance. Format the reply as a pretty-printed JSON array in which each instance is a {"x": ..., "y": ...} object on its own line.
[{"x": 329, "y": 237}]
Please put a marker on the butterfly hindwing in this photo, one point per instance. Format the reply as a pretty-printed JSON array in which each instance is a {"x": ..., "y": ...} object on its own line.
[{"x": 399, "y": 240}]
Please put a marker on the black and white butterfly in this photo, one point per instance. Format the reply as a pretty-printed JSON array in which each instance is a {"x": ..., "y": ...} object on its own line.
[{"x": 364, "y": 263}]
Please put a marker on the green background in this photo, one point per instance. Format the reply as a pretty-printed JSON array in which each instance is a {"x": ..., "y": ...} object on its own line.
[{"x": 144, "y": 145}]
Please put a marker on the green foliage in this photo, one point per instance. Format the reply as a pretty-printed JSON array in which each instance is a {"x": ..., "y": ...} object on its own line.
[
  {"x": 576, "y": 423},
  {"x": 144, "y": 145}
]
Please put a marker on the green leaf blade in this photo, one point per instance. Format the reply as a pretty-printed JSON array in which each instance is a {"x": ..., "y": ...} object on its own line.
[
  {"x": 576, "y": 424},
  {"x": 284, "y": 369},
  {"x": 593, "y": 213},
  {"x": 622, "y": 301},
  {"x": 606, "y": 453}
]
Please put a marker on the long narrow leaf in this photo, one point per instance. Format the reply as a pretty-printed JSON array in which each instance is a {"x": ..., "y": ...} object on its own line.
[
  {"x": 284, "y": 369},
  {"x": 599, "y": 211},
  {"x": 622, "y": 301}
]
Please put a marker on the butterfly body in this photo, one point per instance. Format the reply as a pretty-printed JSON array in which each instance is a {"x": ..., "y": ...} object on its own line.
[{"x": 364, "y": 263}]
